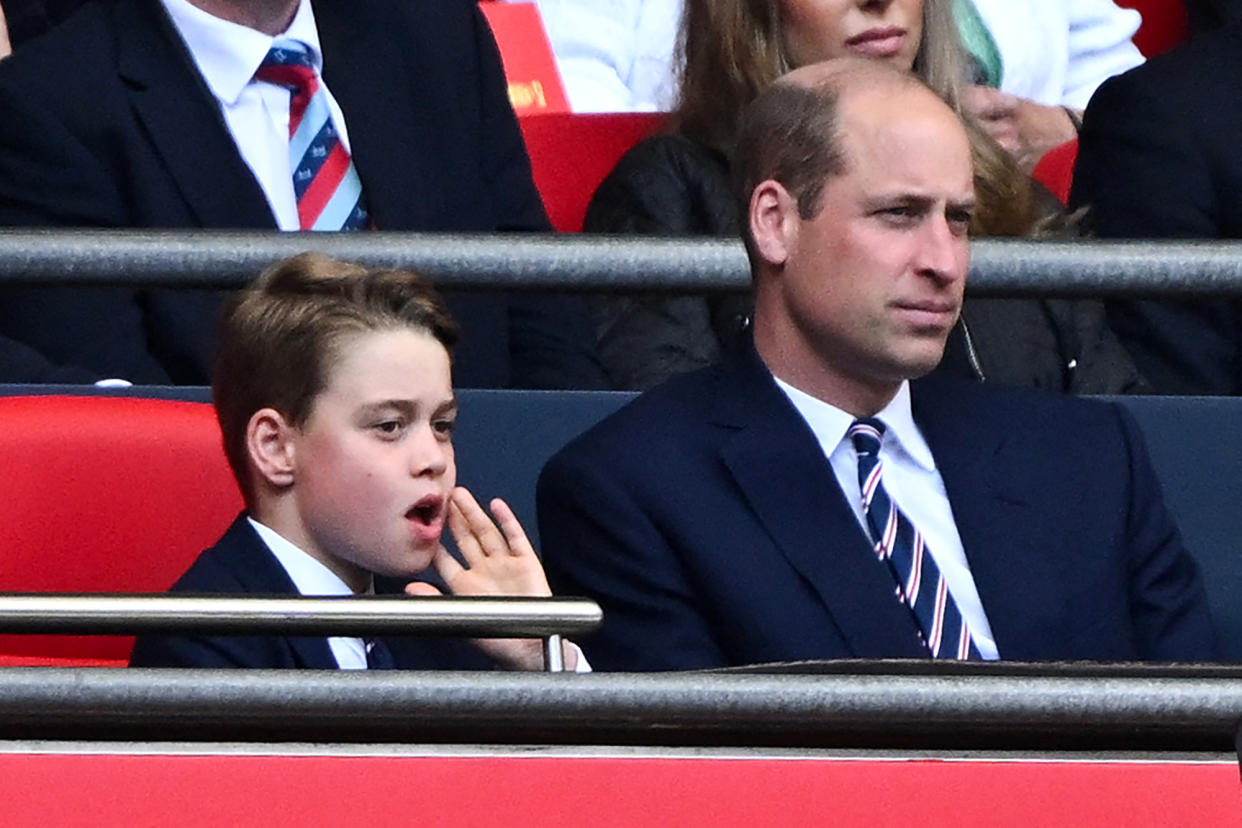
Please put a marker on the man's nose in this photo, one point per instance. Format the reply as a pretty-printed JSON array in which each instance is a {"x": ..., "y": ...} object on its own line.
[{"x": 944, "y": 252}]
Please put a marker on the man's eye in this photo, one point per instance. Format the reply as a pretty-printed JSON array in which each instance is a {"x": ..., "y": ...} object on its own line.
[
  {"x": 960, "y": 219},
  {"x": 900, "y": 214},
  {"x": 444, "y": 426}
]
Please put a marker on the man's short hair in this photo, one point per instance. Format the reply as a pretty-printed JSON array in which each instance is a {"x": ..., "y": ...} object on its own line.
[
  {"x": 790, "y": 134},
  {"x": 281, "y": 336}
]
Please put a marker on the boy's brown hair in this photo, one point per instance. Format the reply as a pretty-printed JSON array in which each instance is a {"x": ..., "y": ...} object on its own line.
[{"x": 281, "y": 336}]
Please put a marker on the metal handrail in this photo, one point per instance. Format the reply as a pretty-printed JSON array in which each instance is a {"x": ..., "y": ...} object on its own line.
[
  {"x": 210, "y": 258},
  {"x": 1044, "y": 707},
  {"x": 362, "y": 615}
]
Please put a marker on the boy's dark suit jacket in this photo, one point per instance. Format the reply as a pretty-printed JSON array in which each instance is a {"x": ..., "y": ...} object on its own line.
[
  {"x": 240, "y": 563},
  {"x": 708, "y": 524},
  {"x": 105, "y": 122}
]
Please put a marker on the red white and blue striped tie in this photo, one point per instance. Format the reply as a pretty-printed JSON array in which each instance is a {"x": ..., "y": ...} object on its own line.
[
  {"x": 328, "y": 191},
  {"x": 899, "y": 544}
]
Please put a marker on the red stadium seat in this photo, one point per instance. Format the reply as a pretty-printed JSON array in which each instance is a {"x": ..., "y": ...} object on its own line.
[
  {"x": 104, "y": 494},
  {"x": 1056, "y": 169},
  {"x": 1165, "y": 24},
  {"x": 571, "y": 155}
]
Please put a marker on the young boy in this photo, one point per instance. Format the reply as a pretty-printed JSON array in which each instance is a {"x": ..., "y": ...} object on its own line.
[{"x": 333, "y": 390}]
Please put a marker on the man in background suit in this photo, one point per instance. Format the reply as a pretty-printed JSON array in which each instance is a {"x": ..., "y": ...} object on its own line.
[
  {"x": 133, "y": 113},
  {"x": 720, "y": 519},
  {"x": 1158, "y": 159}
]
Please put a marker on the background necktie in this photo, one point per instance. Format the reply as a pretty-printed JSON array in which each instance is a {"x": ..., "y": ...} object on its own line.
[
  {"x": 379, "y": 657},
  {"x": 328, "y": 191},
  {"x": 899, "y": 544}
]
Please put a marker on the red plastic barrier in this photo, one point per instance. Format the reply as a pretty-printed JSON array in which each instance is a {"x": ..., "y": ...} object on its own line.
[{"x": 273, "y": 791}]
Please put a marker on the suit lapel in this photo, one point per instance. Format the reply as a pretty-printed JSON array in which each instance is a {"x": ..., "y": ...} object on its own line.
[
  {"x": 790, "y": 486},
  {"x": 989, "y": 503},
  {"x": 389, "y": 139},
  {"x": 183, "y": 121},
  {"x": 261, "y": 574}
]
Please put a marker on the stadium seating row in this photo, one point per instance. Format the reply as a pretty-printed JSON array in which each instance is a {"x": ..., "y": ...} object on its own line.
[{"x": 108, "y": 494}]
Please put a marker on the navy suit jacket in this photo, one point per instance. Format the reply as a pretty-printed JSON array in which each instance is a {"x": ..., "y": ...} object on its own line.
[
  {"x": 106, "y": 122},
  {"x": 240, "y": 563},
  {"x": 706, "y": 521},
  {"x": 1158, "y": 158}
]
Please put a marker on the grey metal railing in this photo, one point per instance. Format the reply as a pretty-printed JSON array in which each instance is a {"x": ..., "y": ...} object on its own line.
[
  {"x": 876, "y": 705},
  {"x": 127, "y": 614},
  {"x": 586, "y": 262}
]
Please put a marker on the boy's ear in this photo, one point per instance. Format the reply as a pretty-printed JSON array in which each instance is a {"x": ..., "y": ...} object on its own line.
[{"x": 269, "y": 445}]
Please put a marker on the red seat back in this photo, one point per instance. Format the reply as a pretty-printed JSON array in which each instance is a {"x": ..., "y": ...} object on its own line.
[
  {"x": 1056, "y": 169},
  {"x": 104, "y": 494},
  {"x": 1165, "y": 24},
  {"x": 571, "y": 154}
]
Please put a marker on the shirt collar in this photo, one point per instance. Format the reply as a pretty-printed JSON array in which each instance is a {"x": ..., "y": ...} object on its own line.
[
  {"x": 228, "y": 54},
  {"x": 830, "y": 423},
  {"x": 309, "y": 575}
]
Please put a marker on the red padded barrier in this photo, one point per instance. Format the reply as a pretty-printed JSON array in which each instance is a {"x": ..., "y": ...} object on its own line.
[
  {"x": 1056, "y": 169},
  {"x": 104, "y": 494},
  {"x": 273, "y": 791},
  {"x": 571, "y": 154}
]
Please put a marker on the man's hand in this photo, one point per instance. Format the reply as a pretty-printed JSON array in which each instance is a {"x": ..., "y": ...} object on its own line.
[
  {"x": 499, "y": 561},
  {"x": 1024, "y": 128}
]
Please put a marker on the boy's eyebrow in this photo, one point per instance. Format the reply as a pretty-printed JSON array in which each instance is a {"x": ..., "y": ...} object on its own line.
[{"x": 406, "y": 407}]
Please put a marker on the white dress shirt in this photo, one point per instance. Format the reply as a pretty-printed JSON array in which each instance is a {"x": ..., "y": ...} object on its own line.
[
  {"x": 313, "y": 578},
  {"x": 912, "y": 482},
  {"x": 256, "y": 113}
]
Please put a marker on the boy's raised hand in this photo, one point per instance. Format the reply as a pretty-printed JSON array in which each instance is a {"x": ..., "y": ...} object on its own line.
[{"x": 499, "y": 561}]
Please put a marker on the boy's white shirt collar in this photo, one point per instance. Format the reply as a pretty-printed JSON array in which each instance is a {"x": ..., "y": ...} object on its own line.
[
  {"x": 309, "y": 575},
  {"x": 228, "y": 54}
]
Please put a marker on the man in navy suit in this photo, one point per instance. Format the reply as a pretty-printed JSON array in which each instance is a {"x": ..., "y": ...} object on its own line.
[
  {"x": 720, "y": 518},
  {"x": 147, "y": 114}
]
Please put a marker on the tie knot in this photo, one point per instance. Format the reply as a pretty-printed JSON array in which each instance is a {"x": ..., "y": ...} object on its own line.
[
  {"x": 288, "y": 63},
  {"x": 866, "y": 434}
]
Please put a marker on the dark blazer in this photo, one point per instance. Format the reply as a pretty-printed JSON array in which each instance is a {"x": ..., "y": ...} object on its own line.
[
  {"x": 240, "y": 563},
  {"x": 706, "y": 521},
  {"x": 1158, "y": 158},
  {"x": 105, "y": 122}
]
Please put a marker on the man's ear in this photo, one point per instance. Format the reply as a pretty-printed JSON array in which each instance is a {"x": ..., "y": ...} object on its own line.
[
  {"x": 269, "y": 445},
  {"x": 774, "y": 221}
]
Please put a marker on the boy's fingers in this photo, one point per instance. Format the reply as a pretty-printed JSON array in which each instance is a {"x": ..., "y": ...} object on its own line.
[
  {"x": 447, "y": 566},
  {"x": 518, "y": 543},
  {"x": 490, "y": 540}
]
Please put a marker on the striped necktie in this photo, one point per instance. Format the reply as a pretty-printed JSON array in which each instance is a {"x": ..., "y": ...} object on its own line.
[
  {"x": 328, "y": 191},
  {"x": 919, "y": 582}
]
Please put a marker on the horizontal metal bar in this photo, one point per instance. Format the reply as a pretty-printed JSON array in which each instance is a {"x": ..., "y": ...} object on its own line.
[
  {"x": 203, "y": 258},
  {"x": 117, "y": 614},
  {"x": 1042, "y": 710}
]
